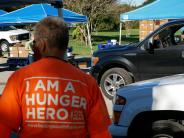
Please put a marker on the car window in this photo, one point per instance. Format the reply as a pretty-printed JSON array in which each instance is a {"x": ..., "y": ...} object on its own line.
[
  {"x": 179, "y": 36},
  {"x": 170, "y": 36},
  {"x": 7, "y": 28}
]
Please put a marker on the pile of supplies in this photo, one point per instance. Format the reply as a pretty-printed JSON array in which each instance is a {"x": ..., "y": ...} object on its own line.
[
  {"x": 18, "y": 50},
  {"x": 110, "y": 43}
]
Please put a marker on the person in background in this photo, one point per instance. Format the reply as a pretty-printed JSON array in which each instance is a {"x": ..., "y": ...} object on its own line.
[
  {"x": 157, "y": 43},
  {"x": 29, "y": 47},
  {"x": 50, "y": 98}
]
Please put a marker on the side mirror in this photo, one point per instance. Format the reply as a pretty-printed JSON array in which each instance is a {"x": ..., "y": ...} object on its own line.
[
  {"x": 149, "y": 47},
  {"x": 177, "y": 39}
]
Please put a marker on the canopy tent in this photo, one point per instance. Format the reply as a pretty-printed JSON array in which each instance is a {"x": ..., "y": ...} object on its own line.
[
  {"x": 158, "y": 10},
  {"x": 12, "y": 3},
  {"x": 36, "y": 12},
  {"x": 27, "y": 16},
  {"x": 2, "y": 12}
]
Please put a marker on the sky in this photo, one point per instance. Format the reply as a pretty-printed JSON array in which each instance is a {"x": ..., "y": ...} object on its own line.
[{"x": 137, "y": 2}]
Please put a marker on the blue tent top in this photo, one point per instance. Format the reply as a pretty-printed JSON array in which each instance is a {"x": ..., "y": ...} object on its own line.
[
  {"x": 158, "y": 10},
  {"x": 2, "y": 12},
  {"x": 36, "y": 12}
]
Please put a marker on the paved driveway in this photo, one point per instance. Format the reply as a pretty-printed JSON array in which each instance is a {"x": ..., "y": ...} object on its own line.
[{"x": 5, "y": 72}]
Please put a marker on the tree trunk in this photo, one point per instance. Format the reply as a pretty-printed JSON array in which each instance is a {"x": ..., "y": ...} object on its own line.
[{"x": 89, "y": 38}]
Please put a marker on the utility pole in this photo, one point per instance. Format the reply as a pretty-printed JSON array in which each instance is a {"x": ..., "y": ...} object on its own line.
[{"x": 59, "y": 5}]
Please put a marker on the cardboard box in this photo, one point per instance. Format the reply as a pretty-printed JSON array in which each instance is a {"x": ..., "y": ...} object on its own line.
[
  {"x": 21, "y": 49},
  {"x": 14, "y": 54},
  {"x": 23, "y": 54},
  {"x": 18, "y": 50},
  {"x": 13, "y": 48}
]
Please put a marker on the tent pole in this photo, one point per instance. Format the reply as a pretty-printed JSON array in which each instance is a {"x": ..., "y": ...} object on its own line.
[
  {"x": 120, "y": 32},
  {"x": 153, "y": 24},
  {"x": 60, "y": 14},
  {"x": 89, "y": 38},
  {"x": 59, "y": 5}
]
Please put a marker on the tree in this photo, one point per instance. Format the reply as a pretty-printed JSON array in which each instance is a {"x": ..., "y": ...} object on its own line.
[
  {"x": 91, "y": 8},
  {"x": 129, "y": 7},
  {"x": 111, "y": 20}
]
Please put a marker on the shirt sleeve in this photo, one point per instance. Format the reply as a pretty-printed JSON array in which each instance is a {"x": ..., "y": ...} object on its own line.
[
  {"x": 98, "y": 117},
  {"x": 10, "y": 111}
]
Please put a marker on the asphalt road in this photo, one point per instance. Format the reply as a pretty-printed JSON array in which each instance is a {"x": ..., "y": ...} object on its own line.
[{"x": 5, "y": 73}]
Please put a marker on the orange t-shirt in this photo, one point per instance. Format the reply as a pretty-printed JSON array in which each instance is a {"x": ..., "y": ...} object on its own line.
[{"x": 52, "y": 99}]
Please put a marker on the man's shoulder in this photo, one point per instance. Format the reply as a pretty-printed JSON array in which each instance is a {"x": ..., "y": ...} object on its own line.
[
  {"x": 79, "y": 71},
  {"x": 83, "y": 75},
  {"x": 25, "y": 70}
]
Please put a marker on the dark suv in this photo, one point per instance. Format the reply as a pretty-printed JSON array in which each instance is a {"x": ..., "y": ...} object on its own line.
[{"x": 161, "y": 53}]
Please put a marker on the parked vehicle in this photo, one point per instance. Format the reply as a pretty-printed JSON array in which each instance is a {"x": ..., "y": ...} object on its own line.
[
  {"x": 150, "y": 109},
  {"x": 161, "y": 53},
  {"x": 9, "y": 35}
]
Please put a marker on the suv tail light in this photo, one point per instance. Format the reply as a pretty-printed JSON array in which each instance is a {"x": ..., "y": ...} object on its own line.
[{"x": 119, "y": 101}]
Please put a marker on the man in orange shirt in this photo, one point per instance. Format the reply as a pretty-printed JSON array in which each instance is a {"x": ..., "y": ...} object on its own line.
[{"x": 50, "y": 98}]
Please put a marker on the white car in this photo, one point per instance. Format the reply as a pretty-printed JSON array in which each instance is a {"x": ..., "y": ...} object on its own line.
[
  {"x": 150, "y": 109},
  {"x": 9, "y": 35}
]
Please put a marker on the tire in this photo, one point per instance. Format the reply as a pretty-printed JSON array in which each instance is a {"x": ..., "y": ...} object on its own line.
[
  {"x": 167, "y": 129},
  {"x": 113, "y": 79},
  {"x": 4, "y": 46},
  {"x": 157, "y": 129},
  {"x": 12, "y": 66}
]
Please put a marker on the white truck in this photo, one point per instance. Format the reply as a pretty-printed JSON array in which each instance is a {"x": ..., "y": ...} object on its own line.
[
  {"x": 150, "y": 109},
  {"x": 9, "y": 35}
]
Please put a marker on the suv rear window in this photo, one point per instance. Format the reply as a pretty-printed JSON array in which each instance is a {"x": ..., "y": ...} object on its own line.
[{"x": 7, "y": 28}]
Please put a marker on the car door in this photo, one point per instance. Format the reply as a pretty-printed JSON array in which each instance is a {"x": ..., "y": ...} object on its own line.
[
  {"x": 165, "y": 60},
  {"x": 162, "y": 62}
]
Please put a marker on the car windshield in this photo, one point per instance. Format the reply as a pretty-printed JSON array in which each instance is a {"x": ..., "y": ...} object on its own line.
[{"x": 7, "y": 28}]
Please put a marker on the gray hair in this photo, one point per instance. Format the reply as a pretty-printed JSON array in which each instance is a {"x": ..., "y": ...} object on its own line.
[{"x": 54, "y": 30}]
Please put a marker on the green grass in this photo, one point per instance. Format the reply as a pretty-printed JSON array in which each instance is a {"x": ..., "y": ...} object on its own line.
[{"x": 80, "y": 48}]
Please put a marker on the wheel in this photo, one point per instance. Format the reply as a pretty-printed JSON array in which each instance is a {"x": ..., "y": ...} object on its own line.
[
  {"x": 113, "y": 79},
  {"x": 4, "y": 46},
  {"x": 167, "y": 129},
  {"x": 157, "y": 129},
  {"x": 72, "y": 61}
]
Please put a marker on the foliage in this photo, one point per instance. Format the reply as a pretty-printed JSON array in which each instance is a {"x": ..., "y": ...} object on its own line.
[
  {"x": 76, "y": 34},
  {"x": 79, "y": 47},
  {"x": 106, "y": 23},
  {"x": 92, "y": 8},
  {"x": 111, "y": 20}
]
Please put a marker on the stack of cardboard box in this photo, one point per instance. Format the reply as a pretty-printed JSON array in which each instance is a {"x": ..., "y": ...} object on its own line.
[
  {"x": 148, "y": 26},
  {"x": 18, "y": 50}
]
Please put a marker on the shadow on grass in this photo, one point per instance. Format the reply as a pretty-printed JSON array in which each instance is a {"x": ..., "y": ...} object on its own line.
[
  {"x": 99, "y": 38},
  {"x": 131, "y": 38}
]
